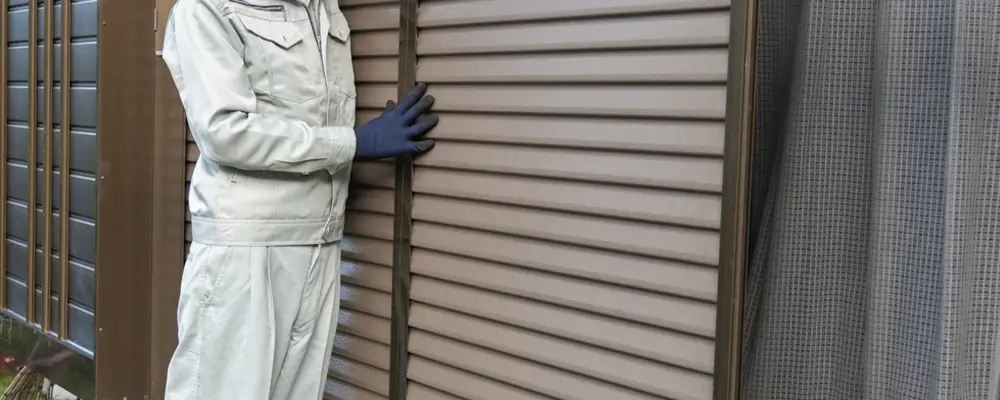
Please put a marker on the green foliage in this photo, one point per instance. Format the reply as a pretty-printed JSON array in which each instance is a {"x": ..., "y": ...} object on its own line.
[{"x": 5, "y": 383}]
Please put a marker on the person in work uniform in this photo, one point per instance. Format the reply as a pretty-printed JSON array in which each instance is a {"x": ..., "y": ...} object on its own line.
[{"x": 268, "y": 89}]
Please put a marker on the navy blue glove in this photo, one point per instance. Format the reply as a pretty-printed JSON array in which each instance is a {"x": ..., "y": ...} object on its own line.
[{"x": 399, "y": 130}]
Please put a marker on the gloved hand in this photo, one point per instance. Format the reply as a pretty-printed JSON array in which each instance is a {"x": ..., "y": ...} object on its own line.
[{"x": 399, "y": 130}]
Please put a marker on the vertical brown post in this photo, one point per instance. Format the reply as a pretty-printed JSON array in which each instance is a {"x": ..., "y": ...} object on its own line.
[
  {"x": 3, "y": 153},
  {"x": 734, "y": 251},
  {"x": 402, "y": 249},
  {"x": 47, "y": 170},
  {"x": 124, "y": 239},
  {"x": 168, "y": 225},
  {"x": 32, "y": 155},
  {"x": 169, "y": 144},
  {"x": 64, "y": 169}
]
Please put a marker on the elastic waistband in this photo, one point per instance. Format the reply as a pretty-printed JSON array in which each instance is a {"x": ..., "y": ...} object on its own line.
[{"x": 265, "y": 232}]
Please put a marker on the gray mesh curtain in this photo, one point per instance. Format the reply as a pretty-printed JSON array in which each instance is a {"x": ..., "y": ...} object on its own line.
[{"x": 876, "y": 265}]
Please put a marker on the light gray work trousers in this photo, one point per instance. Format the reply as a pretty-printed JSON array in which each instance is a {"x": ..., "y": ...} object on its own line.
[{"x": 255, "y": 323}]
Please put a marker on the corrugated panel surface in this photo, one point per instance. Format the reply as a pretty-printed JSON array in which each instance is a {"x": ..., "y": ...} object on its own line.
[
  {"x": 360, "y": 365},
  {"x": 566, "y": 226},
  {"x": 82, "y": 168}
]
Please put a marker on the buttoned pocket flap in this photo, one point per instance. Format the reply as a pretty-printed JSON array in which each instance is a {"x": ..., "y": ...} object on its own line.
[
  {"x": 283, "y": 34},
  {"x": 339, "y": 29}
]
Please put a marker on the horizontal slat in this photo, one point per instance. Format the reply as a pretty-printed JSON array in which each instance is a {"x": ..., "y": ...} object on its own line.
[
  {"x": 83, "y": 105},
  {"x": 584, "y": 359},
  {"x": 82, "y": 189},
  {"x": 519, "y": 373},
  {"x": 700, "y": 246},
  {"x": 491, "y": 11},
  {"x": 646, "y": 135},
  {"x": 366, "y": 300},
  {"x": 676, "y": 172},
  {"x": 677, "y": 278},
  {"x": 375, "y": 43},
  {"x": 605, "y": 332},
  {"x": 82, "y": 57},
  {"x": 416, "y": 391},
  {"x": 363, "y": 350},
  {"x": 701, "y": 65},
  {"x": 370, "y": 199},
  {"x": 360, "y": 375},
  {"x": 614, "y": 301},
  {"x": 374, "y": 17},
  {"x": 369, "y": 276},
  {"x": 82, "y": 286},
  {"x": 364, "y": 325},
  {"x": 83, "y": 147},
  {"x": 81, "y": 321},
  {"x": 683, "y": 208},
  {"x": 463, "y": 384},
  {"x": 337, "y": 390},
  {"x": 367, "y": 249},
  {"x": 700, "y": 29},
  {"x": 84, "y": 22},
  {"x": 377, "y": 226},
  {"x": 377, "y": 174},
  {"x": 382, "y": 69},
  {"x": 82, "y": 232},
  {"x": 707, "y": 102},
  {"x": 375, "y": 95}
]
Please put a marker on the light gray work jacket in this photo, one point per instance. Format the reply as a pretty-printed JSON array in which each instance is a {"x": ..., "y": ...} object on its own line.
[{"x": 268, "y": 89}]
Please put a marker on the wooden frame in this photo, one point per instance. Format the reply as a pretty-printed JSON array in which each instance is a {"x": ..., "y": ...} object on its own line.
[{"x": 734, "y": 251}]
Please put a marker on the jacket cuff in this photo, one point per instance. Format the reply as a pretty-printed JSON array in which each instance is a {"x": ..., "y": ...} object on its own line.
[{"x": 343, "y": 145}]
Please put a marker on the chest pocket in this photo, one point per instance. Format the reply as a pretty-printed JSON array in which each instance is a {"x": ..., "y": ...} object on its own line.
[
  {"x": 281, "y": 63},
  {"x": 341, "y": 69}
]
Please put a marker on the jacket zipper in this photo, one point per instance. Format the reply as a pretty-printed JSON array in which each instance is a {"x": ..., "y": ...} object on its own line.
[
  {"x": 259, "y": 7},
  {"x": 311, "y": 13}
]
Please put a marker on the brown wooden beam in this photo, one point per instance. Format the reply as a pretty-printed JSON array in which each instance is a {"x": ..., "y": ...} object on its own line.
[
  {"x": 170, "y": 142},
  {"x": 403, "y": 211},
  {"x": 48, "y": 173},
  {"x": 66, "y": 131},
  {"x": 734, "y": 244},
  {"x": 32, "y": 238},
  {"x": 4, "y": 16},
  {"x": 125, "y": 198}
]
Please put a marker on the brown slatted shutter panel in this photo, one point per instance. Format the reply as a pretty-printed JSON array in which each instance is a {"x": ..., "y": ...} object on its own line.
[
  {"x": 566, "y": 227},
  {"x": 360, "y": 366}
]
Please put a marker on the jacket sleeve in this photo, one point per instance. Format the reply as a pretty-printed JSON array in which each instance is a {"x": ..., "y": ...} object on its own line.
[{"x": 203, "y": 52}]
